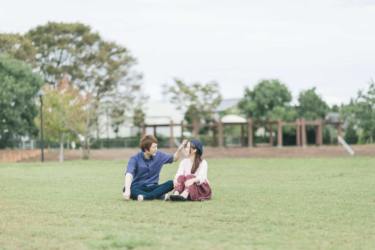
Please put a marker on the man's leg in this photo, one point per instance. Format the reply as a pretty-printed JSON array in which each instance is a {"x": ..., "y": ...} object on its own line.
[
  {"x": 136, "y": 191},
  {"x": 157, "y": 191}
]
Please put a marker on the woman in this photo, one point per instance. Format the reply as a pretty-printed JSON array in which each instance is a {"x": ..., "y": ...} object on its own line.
[{"x": 190, "y": 182}]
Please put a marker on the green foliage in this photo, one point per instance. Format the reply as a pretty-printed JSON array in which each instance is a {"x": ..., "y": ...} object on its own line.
[
  {"x": 197, "y": 100},
  {"x": 95, "y": 66},
  {"x": 103, "y": 70},
  {"x": 64, "y": 48},
  {"x": 351, "y": 135},
  {"x": 138, "y": 117},
  {"x": 360, "y": 113},
  {"x": 311, "y": 105},
  {"x": 18, "y": 47},
  {"x": 18, "y": 89},
  {"x": 64, "y": 113},
  {"x": 270, "y": 99}
]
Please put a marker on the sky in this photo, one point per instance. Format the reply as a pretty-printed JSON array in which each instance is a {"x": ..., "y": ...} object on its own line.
[{"x": 327, "y": 44}]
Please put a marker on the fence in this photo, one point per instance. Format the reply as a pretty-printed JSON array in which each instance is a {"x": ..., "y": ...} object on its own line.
[{"x": 18, "y": 155}]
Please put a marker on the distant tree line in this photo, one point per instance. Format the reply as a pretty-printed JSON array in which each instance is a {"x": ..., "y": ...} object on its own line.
[
  {"x": 100, "y": 71},
  {"x": 82, "y": 76}
]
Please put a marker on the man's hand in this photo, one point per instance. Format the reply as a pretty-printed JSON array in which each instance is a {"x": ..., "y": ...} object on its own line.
[
  {"x": 182, "y": 145},
  {"x": 190, "y": 182},
  {"x": 126, "y": 195}
]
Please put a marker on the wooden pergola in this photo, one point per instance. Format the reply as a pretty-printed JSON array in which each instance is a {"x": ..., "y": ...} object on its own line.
[{"x": 300, "y": 126}]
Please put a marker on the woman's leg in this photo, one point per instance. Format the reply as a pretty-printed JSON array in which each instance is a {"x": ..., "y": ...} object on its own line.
[
  {"x": 180, "y": 185},
  {"x": 185, "y": 192}
]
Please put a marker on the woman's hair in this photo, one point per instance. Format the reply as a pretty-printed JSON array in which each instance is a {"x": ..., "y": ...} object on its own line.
[
  {"x": 197, "y": 159},
  {"x": 147, "y": 141}
]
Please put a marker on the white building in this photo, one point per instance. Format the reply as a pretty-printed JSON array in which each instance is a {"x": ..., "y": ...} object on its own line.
[{"x": 156, "y": 113}]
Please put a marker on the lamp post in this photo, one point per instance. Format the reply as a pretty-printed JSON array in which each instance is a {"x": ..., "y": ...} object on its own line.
[{"x": 40, "y": 94}]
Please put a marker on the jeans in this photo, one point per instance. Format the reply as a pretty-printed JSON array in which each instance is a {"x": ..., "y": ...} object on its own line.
[{"x": 151, "y": 192}]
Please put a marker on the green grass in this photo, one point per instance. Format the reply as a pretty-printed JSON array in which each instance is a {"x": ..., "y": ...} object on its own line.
[{"x": 257, "y": 204}]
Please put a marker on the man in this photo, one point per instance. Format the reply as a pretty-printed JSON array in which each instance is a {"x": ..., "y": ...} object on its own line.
[{"x": 142, "y": 173}]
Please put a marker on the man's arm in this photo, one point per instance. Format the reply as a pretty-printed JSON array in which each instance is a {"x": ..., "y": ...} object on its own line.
[
  {"x": 127, "y": 185},
  {"x": 129, "y": 178}
]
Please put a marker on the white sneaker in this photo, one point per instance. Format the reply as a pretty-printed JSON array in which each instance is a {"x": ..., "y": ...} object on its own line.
[{"x": 140, "y": 197}]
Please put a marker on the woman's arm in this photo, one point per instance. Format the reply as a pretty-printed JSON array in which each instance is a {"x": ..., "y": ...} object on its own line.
[{"x": 201, "y": 176}]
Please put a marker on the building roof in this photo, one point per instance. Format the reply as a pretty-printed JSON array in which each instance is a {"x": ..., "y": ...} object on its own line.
[
  {"x": 233, "y": 119},
  {"x": 159, "y": 112},
  {"x": 227, "y": 104}
]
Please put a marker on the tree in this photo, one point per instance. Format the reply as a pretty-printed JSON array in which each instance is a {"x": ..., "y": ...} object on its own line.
[
  {"x": 18, "y": 47},
  {"x": 100, "y": 69},
  {"x": 65, "y": 113},
  {"x": 362, "y": 109},
  {"x": 62, "y": 48},
  {"x": 351, "y": 135},
  {"x": 311, "y": 105},
  {"x": 270, "y": 99},
  {"x": 19, "y": 86},
  {"x": 197, "y": 100},
  {"x": 138, "y": 117}
]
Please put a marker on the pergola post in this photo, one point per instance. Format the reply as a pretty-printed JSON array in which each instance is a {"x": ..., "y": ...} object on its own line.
[
  {"x": 319, "y": 132},
  {"x": 242, "y": 135},
  {"x": 271, "y": 133},
  {"x": 182, "y": 129},
  {"x": 298, "y": 132},
  {"x": 143, "y": 130},
  {"x": 303, "y": 131},
  {"x": 195, "y": 128},
  {"x": 221, "y": 133},
  {"x": 279, "y": 133},
  {"x": 250, "y": 133},
  {"x": 171, "y": 136}
]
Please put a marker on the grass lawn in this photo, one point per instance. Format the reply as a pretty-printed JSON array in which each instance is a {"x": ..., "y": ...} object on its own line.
[{"x": 257, "y": 204}]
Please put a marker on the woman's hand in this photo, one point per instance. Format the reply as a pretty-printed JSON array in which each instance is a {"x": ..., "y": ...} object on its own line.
[
  {"x": 190, "y": 182},
  {"x": 175, "y": 183}
]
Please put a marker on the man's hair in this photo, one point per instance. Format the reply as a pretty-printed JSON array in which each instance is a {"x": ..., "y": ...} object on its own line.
[{"x": 147, "y": 141}]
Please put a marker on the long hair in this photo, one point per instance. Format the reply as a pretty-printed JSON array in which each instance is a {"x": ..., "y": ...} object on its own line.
[{"x": 197, "y": 160}]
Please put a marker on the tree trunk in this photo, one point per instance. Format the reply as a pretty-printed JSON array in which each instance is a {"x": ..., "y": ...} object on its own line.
[
  {"x": 196, "y": 126},
  {"x": 61, "y": 155},
  {"x": 86, "y": 149}
]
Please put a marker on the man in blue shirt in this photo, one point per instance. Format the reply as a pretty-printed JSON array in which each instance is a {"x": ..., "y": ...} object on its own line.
[{"x": 142, "y": 173}]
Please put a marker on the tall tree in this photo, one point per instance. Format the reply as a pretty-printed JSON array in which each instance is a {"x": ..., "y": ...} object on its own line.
[
  {"x": 18, "y": 89},
  {"x": 65, "y": 113},
  {"x": 102, "y": 70},
  {"x": 311, "y": 106},
  {"x": 62, "y": 48},
  {"x": 269, "y": 99},
  {"x": 363, "y": 108},
  {"x": 197, "y": 100},
  {"x": 19, "y": 47}
]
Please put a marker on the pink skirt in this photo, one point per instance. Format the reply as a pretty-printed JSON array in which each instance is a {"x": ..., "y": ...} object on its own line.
[{"x": 197, "y": 192}]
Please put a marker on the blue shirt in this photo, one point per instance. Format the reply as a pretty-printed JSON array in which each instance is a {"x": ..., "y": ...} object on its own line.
[{"x": 146, "y": 171}]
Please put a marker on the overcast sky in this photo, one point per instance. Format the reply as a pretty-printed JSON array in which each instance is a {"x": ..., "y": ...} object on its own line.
[{"x": 324, "y": 43}]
